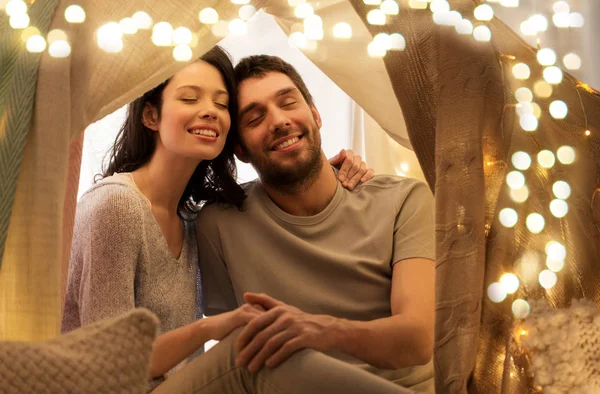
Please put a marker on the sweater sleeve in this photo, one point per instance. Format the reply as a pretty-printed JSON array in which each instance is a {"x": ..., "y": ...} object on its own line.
[{"x": 109, "y": 251}]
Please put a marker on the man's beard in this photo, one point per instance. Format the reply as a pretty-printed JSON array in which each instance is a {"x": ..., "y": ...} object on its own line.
[{"x": 289, "y": 178}]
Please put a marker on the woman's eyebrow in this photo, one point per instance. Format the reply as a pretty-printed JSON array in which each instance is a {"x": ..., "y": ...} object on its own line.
[{"x": 219, "y": 92}]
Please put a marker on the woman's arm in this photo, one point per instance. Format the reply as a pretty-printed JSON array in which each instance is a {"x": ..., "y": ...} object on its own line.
[{"x": 174, "y": 346}]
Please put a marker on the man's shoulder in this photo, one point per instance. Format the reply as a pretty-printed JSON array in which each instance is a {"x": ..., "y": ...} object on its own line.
[
  {"x": 218, "y": 211},
  {"x": 390, "y": 182}
]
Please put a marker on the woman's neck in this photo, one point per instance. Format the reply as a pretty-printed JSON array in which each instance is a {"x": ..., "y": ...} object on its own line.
[{"x": 164, "y": 178}]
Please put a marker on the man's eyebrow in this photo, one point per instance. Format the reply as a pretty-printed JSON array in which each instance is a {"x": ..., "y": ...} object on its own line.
[{"x": 279, "y": 93}]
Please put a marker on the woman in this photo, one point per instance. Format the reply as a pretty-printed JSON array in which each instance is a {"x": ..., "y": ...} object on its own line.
[{"x": 134, "y": 243}]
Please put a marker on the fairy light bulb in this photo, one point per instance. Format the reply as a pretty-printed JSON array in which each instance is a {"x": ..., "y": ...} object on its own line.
[
  {"x": 109, "y": 37},
  {"x": 561, "y": 20},
  {"x": 61, "y": 48},
  {"x": 35, "y": 43},
  {"x": 561, "y": 190},
  {"x": 546, "y": 159},
  {"x": 524, "y": 95},
  {"x": 539, "y": 22},
  {"x": 372, "y": 2},
  {"x": 496, "y": 293},
  {"x": 484, "y": 12},
  {"x": 535, "y": 223},
  {"x": 558, "y": 109},
  {"x": 182, "y": 36},
  {"x": 555, "y": 265},
  {"x": 240, "y": 2},
  {"x": 464, "y": 26},
  {"x": 19, "y": 21},
  {"x": 528, "y": 29},
  {"x": 439, "y": 6},
  {"x": 553, "y": 75},
  {"x": 142, "y": 20},
  {"x": 521, "y": 71},
  {"x": 398, "y": 42},
  {"x": 559, "y": 208},
  {"x": 508, "y": 217},
  {"x": 561, "y": 6},
  {"x": 162, "y": 34},
  {"x": 566, "y": 154},
  {"x": 520, "y": 308},
  {"x": 521, "y": 160},
  {"x": 342, "y": 30},
  {"x": 208, "y": 16},
  {"x": 547, "y": 279},
  {"x": 28, "y": 32},
  {"x": 15, "y": 7},
  {"x": 418, "y": 4},
  {"x": 525, "y": 108},
  {"x": 128, "y": 26},
  {"x": 515, "y": 180},
  {"x": 182, "y": 53},
  {"x": 509, "y": 3},
  {"x": 246, "y": 12},
  {"x": 376, "y": 17},
  {"x": 383, "y": 40},
  {"x": 220, "y": 29},
  {"x": 542, "y": 89},
  {"x": 298, "y": 40},
  {"x": 528, "y": 122},
  {"x": 572, "y": 61},
  {"x": 555, "y": 250},
  {"x": 375, "y": 50},
  {"x": 576, "y": 19},
  {"x": 389, "y": 7},
  {"x": 313, "y": 27},
  {"x": 74, "y": 14},
  {"x": 303, "y": 10},
  {"x": 546, "y": 57},
  {"x": 482, "y": 33},
  {"x": 519, "y": 195},
  {"x": 509, "y": 283}
]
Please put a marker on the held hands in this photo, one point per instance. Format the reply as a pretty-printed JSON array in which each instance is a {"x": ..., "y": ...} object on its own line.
[
  {"x": 273, "y": 336},
  {"x": 221, "y": 325},
  {"x": 352, "y": 170}
]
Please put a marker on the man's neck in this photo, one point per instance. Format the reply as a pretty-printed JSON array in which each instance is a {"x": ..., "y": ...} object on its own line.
[{"x": 309, "y": 198}]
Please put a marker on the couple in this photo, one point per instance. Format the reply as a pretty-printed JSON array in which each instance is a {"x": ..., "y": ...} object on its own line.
[{"x": 326, "y": 277}]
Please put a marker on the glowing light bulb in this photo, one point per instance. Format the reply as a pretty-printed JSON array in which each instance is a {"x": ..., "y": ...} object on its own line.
[
  {"x": 35, "y": 44},
  {"x": 535, "y": 223},
  {"x": 162, "y": 34},
  {"x": 439, "y": 6},
  {"x": 342, "y": 30},
  {"x": 528, "y": 29},
  {"x": 398, "y": 42},
  {"x": 547, "y": 279},
  {"x": 372, "y": 2},
  {"x": 515, "y": 180},
  {"x": 572, "y": 61},
  {"x": 61, "y": 48},
  {"x": 509, "y": 283},
  {"x": 525, "y": 108},
  {"x": 376, "y": 17},
  {"x": 15, "y": 7},
  {"x": 389, "y": 7},
  {"x": 128, "y": 26},
  {"x": 298, "y": 40},
  {"x": 383, "y": 40},
  {"x": 566, "y": 154},
  {"x": 19, "y": 21},
  {"x": 303, "y": 10},
  {"x": 246, "y": 12},
  {"x": 521, "y": 309},
  {"x": 482, "y": 33},
  {"x": 529, "y": 122},
  {"x": 561, "y": 6},
  {"x": 74, "y": 14},
  {"x": 559, "y": 208},
  {"x": 313, "y": 27},
  {"x": 464, "y": 26},
  {"x": 556, "y": 251},
  {"x": 558, "y": 109},
  {"x": 521, "y": 160},
  {"x": 561, "y": 190},
  {"x": 238, "y": 27},
  {"x": 539, "y": 22},
  {"x": 28, "y": 32},
  {"x": 519, "y": 195},
  {"x": 240, "y": 2},
  {"x": 542, "y": 89},
  {"x": 555, "y": 265},
  {"x": 553, "y": 75},
  {"x": 561, "y": 19},
  {"x": 508, "y": 217},
  {"x": 109, "y": 37},
  {"x": 417, "y": 4},
  {"x": 57, "y": 34},
  {"x": 496, "y": 293},
  {"x": 509, "y": 3},
  {"x": 142, "y": 20},
  {"x": 375, "y": 50},
  {"x": 576, "y": 20},
  {"x": 546, "y": 57},
  {"x": 182, "y": 53},
  {"x": 208, "y": 16},
  {"x": 182, "y": 36},
  {"x": 521, "y": 71},
  {"x": 484, "y": 12},
  {"x": 524, "y": 95},
  {"x": 220, "y": 29},
  {"x": 546, "y": 159}
]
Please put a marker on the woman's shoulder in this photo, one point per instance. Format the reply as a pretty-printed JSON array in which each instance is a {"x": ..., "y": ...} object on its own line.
[{"x": 116, "y": 194}]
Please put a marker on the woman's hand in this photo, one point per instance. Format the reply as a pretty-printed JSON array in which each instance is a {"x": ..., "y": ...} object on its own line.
[
  {"x": 219, "y": 326},
  {"x": 352, "y": 170}
]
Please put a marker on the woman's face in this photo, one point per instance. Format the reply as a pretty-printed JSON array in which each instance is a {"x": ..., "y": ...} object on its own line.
[{"x": 194, "y": 119}]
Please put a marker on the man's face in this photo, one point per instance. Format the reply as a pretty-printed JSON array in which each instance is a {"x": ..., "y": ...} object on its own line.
[{"x": 279, "y": 131}]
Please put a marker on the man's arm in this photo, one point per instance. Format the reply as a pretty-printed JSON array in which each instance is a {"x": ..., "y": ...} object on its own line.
[{"x": 404, "y": 339}]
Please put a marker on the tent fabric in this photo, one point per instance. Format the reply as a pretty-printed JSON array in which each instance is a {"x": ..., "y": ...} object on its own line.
[{"x": 457, "y": 113}]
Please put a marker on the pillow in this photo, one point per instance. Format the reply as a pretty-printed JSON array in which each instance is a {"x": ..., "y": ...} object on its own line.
[{"x": 110, "y": 356}]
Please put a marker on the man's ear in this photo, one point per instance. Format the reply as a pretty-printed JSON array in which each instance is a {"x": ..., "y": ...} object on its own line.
[
  {"x": 316, "y": 116},
  {"x": 240, "y": 153},
  {"x": 150, "y": 117}
]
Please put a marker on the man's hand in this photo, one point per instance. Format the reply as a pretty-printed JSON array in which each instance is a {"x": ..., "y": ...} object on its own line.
[
  {"x": 273, "y": 336},
  {"x": 352, "y": 170}
]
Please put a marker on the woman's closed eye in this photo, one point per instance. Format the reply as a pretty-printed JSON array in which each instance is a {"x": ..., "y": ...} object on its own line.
[{"x": 189, "y": 99}]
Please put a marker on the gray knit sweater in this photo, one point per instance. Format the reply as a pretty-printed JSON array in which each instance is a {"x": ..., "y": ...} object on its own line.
[{"x": 120, "y": 260}]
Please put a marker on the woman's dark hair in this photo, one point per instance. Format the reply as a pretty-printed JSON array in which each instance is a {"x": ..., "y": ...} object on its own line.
[{"x": 213, "y": 180}]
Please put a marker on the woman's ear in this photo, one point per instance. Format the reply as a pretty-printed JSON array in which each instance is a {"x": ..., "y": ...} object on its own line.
[
  {"x": 150, "y": 117},
  {"x": 240, "y": 153}
]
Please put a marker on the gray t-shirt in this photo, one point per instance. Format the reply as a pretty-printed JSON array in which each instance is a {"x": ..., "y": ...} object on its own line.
[{"x": 338, "y": 262}]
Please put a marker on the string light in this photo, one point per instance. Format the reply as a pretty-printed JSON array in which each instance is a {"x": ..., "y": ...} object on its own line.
[
  {"x": 182, "y": 36},
  {"x": 398, "y": 42},
  {"x": 303, "y": 10},
  {"x": 439, "y": 6},
  {"x": 464, "y": 26},
  {"x": 208, "y": 16},
  {"x": 576, "y": 20},
  {"x": 509, "y": 283},
  {"x": 546, "y": 159},
  {"x": 35, "y": 44},
  {"x": 556, "y": 251},
  {"x": 515, "y": 180},
  {"x": 109, "y": 37},
  {"x": 521, "y": 309},
  {"x": 61, "y": 48},
  {"x": 128, "y": 26},
  {"x": 542, "y": 89},
  {"x": 587, "y": 133},
  {"x": 561, "y": 20},
  {"x": 519, "y": 195},
  {"x": 342, "y": 30},
  {"x": 539, "y": 22},
  {"x": 417, "y": 4},
  {"x": 508, "y": 217},
  {"x": 482, "y": 33},
  {"x": 572, "y": 61},
  {"x": 521, "y": 160},
  {"x": 524, "y": 95},
  {"x": 528, "y": 122},
  {"x": 29, "y": 32},
  {"x": 240, "y": 2},
  {"x": 375, "y": 50},
  {"x": 389, "y": 7},
  {"x": 535, "y": 223},
  {"x": 383, "y": 40},
  {"x": 546, "y": 57},
  {"x": 559, "y": 208},
  {"x": 483, "y": 12},
  {"x": 566, "y": 154},
  {"x": 555, "y": 265},
  {"x": 162, "y": 34},
  {"x": 521, "y": 71},
  {"x": 547, "y": 279},
  {"x": 19, "y": 21},
  {"x": 561, "y": 7},
  {"x": 372, "y": 2},
  {"x": 553, "y": 75},
  {"x": 15, "y": 7},
  {"x": 74, "y": 14},
  {"x": 558, "y": 109},
  {"x": 182, "y": 53},
  {"x": 376, "y": 17},
  {"x": 142, "y": 20},
  {"x": 496, "y": 293},
  {"x": 313, "y": 27},
  {"x": 561, "y": 190},
  {"x": 298, "y": 40},
  {"x": 57, "y": 34},
  {"x": 509, "y": 3}
]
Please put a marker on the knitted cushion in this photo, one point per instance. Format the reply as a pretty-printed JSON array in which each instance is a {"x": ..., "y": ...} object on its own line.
[
  {"x": 111, "y": 356},
  {"x": 564, "y": 347}
]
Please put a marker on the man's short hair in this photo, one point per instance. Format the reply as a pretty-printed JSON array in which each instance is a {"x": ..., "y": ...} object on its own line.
[{"x": 258, "y": 66}]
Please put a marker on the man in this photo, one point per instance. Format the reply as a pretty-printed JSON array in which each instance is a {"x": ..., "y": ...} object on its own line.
[{"x": 347, "y": 273}]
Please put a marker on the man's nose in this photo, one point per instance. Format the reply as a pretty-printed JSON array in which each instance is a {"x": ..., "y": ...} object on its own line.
[{"x": 280, "y": 121}]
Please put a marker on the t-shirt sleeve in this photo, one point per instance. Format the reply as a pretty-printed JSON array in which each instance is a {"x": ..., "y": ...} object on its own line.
[
  {"x": 414, "y": 234},
  {"x": 218, "y": 293},
  {"x": 109, "y": 254}
]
